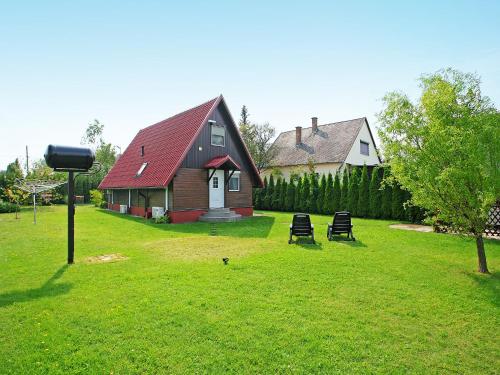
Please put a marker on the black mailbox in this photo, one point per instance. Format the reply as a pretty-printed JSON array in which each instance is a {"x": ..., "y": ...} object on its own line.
[{"x": 65, "y": 158}]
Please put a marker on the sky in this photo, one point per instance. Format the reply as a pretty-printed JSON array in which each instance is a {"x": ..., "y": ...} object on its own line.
[{"x": 130, "y": 64}]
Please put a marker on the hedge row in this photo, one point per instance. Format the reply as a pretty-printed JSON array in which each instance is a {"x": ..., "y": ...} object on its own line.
[{"x": 360, "y": 192}]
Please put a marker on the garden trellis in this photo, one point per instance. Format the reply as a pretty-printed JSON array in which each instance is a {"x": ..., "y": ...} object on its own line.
[{"x": 35, "y": 187}]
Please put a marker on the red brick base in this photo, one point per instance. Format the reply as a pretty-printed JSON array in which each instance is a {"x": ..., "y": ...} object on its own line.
[
  {"x": 185, "y": 216},
  {"x": 243, "y": 211}
]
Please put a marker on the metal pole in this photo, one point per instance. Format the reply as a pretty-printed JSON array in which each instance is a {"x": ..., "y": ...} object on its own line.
[
  {"x": 34, "y": 207},
  {"x": 71, "y": 218}
]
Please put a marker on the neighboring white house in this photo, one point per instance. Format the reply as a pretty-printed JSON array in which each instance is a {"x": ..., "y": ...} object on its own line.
[{"x": 330, "y": 147}]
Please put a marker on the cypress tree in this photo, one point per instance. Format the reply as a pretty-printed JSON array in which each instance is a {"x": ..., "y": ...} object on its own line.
[
  {"x": 364, "y": 194},
  {"x": 284, "y": 188},
  {"x": 313, "y": 206},
  {"x": 386, "y": 197},
  {"x": 305, "y": 196},
  {"x": 344, "y": 191},
  {"x": 353, "y": 195},
  {"x": 321, "y": 195},
  {"x": 263, "y": 195},
  {"x": 256, "y": 198},
  {"x": 269, "y": 195},
  {"x": 336, "y": 195},
  {"x": 375, "y": 194},
  {"x": 290, "y": 197},
  {"x": 397, "y": 208},
  {"x": 298, "y": 196},
  {"x": 275, "y": 200},
  {"x": 328, "y": 195}
]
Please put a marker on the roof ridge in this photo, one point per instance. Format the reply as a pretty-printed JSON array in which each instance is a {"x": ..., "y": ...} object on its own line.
[
  {"x": 181, "y": 113},
  {"x": 330, "y": 123}
]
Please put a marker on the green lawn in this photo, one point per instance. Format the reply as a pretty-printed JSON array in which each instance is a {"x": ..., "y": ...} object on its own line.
[{"x": 393, "y": 302}]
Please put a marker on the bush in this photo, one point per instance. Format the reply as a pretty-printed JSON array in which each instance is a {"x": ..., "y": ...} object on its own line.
[
  {"x": 6, "y": 207},
  {"x": 162, "y": 220},
  {"x": 97, "y": 197}
]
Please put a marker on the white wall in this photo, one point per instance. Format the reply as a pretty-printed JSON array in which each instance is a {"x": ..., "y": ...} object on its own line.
[
  {"x": 323, "y": 168},
  {"x": 355, "y": 157}
]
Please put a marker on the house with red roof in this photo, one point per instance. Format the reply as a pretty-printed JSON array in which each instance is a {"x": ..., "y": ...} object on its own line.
[{"x": 191, "y": 166}]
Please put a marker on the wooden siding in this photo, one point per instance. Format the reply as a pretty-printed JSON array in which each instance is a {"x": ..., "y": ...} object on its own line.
[
  {"x": 190, "y": 189},
  {"x": 242, "y": 198},
  {"x": 233, "y": 146}
]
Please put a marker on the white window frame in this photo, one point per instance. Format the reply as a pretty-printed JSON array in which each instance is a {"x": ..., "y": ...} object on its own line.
[
  {"x": 141, "y": 169},
  {"x": 213, "y": 125},
  {"x": 215, "y": 182},
  {"x": 367, "y": 148},
  {"x": 235, "y": 175}
]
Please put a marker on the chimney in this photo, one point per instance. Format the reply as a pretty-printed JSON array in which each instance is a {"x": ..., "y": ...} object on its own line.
[
  {"x": 298, "y": 135},
  {"x": 314, "y": 124}
]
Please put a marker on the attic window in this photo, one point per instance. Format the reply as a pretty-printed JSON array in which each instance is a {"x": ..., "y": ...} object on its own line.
[
  {"x": 142, "y": 150},
  {"x": 364, "y": 148},
  {"x": 218, "y": 134},
  {"x": 141, "y": 169}
]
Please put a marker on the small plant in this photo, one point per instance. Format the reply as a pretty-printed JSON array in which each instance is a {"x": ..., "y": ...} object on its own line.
[
  {"x": 162, "y": 220},
  {"x": 97, "y": 197}
]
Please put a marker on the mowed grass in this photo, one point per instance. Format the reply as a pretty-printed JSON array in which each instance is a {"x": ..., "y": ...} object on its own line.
[{"x": 393, "y": 302}]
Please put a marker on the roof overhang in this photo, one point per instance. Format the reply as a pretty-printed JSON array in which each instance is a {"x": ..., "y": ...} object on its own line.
[{"x": 224, "y": 161}]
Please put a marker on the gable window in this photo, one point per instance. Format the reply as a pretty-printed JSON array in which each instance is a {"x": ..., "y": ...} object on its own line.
[
  {"x": 141, "y": 169},
  {"x": 218, "y": 134},
  {"x": 364, "y": 148},
  {"x": 234, "y": 182}
]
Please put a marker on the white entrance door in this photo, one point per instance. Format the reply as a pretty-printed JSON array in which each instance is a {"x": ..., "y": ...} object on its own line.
[{"x": 216, "y": 190}]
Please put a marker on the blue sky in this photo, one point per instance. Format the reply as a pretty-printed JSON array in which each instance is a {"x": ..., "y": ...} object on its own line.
[{"x": 132, "y": 63}]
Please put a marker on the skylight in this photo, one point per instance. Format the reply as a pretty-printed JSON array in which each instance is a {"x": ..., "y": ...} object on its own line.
[{"x": 141, "y": 169}]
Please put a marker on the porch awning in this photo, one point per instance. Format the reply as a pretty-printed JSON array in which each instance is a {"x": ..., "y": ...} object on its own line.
[{"x": 219, "y": 161}]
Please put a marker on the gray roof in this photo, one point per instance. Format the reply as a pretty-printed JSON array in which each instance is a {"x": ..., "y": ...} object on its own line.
[{"x": 330, "y": 144}]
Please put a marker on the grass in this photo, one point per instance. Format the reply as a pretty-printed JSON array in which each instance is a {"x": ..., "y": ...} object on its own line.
[{"x": 395, "y": 301}]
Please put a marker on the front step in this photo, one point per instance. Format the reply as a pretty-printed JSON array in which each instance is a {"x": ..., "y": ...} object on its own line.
[{"x": 220, "y": 215}]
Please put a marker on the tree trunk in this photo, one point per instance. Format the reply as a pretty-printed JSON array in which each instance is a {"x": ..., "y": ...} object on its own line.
[{"x": 481, "y": 255}]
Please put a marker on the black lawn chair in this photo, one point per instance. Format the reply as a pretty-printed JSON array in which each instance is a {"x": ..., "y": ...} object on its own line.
[
  {"x": 341, "y": 224},
  {"x": 301, "y": 227}
]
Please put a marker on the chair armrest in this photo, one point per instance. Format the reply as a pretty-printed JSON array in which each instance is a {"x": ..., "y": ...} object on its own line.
[
  {"x": 312, "y": 226},
  {"x": 291, "y": 226}
]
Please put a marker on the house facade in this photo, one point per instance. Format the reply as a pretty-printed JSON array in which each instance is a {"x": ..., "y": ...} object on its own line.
[
  {"x": 185, "y": 166},
  {"x": 330, "y": 148}
]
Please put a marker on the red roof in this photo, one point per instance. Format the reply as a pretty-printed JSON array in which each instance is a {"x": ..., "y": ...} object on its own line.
[
  {"x": 219, "y": 160},
  {"x": 165, "y": 147}
]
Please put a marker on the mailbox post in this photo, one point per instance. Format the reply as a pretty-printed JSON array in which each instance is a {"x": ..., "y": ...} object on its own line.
[{"x": 71, "y": 160}]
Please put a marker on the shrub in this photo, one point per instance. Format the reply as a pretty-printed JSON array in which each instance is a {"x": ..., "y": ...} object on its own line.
[
  {"x": 162, "y": 220},
  {"x": 96, "y": 197},
  {"x": 305, "y": 194},
  {"x": 329, "y": 195},
  {"x": 336, "y": 195},
  {"x": 298, "y": 196},
  {"x": 364, "y": 194},
  {"x": 353, "y": 196},
  {"x": 290, "y": 197},
  {"x": 375, "y": 194},
  {"x": 6, "y": 207},
  {"x": 344, "y": 191}
]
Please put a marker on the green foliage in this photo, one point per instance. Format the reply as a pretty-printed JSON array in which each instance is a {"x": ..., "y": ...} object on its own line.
[
  {"x": 268, "y": 200},
  {"x": 375, "y": 194},
  {"x": 305, "y": 195},
  {"x": 313, "y": 205},
  {"x": 335, "y": 206},
  {"x": 6, "y": 207},
  {"x": 344, "y": 191},
  {"x": 290, "y": 197},
  {"x": 297, "y": 204},
  {"x": 386, "y": 196},
  {"x": 276, "y": 197},
  {"x": 398, "y": 200},
  {"x": 353, "y": 195},
  {"x": 321, "y": 196},
  {"x": 445, "y": 148},
  {"x": 329, "y": 195},
  {"x": 162, "y": 220},
  {"x": 284, "y": 189},
  {"x": 97, "y": 197},
  {"x": 364, "y": 194}
]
